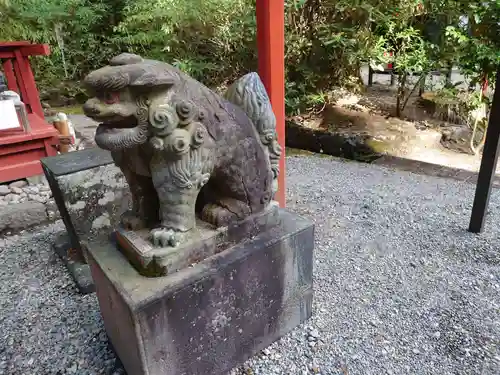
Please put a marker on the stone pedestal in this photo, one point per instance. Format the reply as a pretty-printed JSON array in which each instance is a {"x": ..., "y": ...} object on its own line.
[
  {"x": 90, "y": 193},
  {"x": 206, "y": 241},
  {"x": 208, "y": 318}
]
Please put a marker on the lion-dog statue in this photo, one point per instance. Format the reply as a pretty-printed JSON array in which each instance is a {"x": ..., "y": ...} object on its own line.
[{"x": 184, "y": 150}]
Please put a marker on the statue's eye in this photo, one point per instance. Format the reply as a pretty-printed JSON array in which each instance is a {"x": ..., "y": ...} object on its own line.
[{"x": 111, "y": 97}]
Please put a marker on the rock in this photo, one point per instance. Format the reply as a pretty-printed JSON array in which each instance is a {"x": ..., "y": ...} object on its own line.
[
  {"x": 314, "y": 333},
  {"x": 4, "y": 190},
  {"x": 37, "y": 180},
  {"x": 45, "y": 193},
  {"x": 18, "y": 184},
  {"x": 16, "y": 190},
  {"x": 314, "y": 368},
  {"x": 12, "y": 197},
  {"x": 102, "y": 221},
  {"x": 53, "y": 214},
  {"x": 38, "y": 198},
  {"x": 32, "y": 189}
]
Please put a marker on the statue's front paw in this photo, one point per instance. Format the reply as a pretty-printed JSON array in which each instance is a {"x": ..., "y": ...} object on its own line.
[
  {"x": 162, "y": 237},
  {"x": 217, "y": 215},
  {"x": 131, "y": 221}
]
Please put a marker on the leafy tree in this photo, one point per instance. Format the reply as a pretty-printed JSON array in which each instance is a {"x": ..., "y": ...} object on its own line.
[
  {"x": 213, "y": 40},
  {"x": 327, "y": 41}
]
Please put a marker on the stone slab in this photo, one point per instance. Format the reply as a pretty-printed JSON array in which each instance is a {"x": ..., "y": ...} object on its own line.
[
  {"x": 22, "y": 216},
  {"x": 89, "y": 190},
  {"x": 77, "y": 267},
  {"x": 77, "y": 161},
  {"x": 90, "y": 193},
  {"x": 205, "y": 241},
  {"x": 209, "y": 318}
]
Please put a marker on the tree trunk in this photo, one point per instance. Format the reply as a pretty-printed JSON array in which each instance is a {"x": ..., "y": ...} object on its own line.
[
  {"x": 401, "y": 93},
  {"x": 418, "y": 84},
  {"x": 60, "y": 43},
  {"x": 476, "y": 149}
]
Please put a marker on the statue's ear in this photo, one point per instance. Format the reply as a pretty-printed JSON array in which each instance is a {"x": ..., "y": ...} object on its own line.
[{"x": 154, "y": 79}]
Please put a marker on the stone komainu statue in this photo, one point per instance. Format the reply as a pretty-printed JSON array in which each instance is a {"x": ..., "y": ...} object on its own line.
[{"x": 183, "y": 149}]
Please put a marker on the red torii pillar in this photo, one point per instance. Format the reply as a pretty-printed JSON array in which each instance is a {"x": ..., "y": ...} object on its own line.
[{"x": 271, "y": 53}]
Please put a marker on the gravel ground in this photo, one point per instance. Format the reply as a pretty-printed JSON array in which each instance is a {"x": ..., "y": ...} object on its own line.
[{"x": 400, "y": 286}]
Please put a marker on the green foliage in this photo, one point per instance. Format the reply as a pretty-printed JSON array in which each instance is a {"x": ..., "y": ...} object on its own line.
[
  {"x": 73, "y": 29},
  {"x": 209, "y": 39},
  {"x": 327, "y": 41},
  {"x": 477, "y": 42}
]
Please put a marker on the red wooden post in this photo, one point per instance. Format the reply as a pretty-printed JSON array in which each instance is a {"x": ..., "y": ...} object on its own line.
[
  {"x": 21, "y": 84},
  {"x": 32, "y": 96},
  {"x": 8, "y": 70},
  {"x": 271, "y": 52}
]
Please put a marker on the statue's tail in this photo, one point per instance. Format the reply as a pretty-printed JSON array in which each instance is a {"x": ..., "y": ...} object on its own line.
[{"x": 249, "y": 93}]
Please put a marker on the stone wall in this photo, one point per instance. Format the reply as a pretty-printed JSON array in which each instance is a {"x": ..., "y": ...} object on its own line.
[{"x": 25, "y": 204}]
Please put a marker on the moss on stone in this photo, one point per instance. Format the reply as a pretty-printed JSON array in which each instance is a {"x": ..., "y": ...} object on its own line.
[
  {"x": 290, "y": 151},
  {"x": 69, "y": 110},
  {"x": 378, "y": 146}
]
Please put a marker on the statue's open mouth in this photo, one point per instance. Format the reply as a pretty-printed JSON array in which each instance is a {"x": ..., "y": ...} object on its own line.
[
  {"x": 118, "y": 123},
  {"x": 121, "y": 133}
]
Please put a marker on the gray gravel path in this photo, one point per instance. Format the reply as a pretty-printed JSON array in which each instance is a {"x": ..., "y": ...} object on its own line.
[{"x": 400, "y": 286}]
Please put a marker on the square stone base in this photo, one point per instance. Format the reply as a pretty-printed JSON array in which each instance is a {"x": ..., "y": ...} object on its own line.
[
  {"x": 206, "y": 241},
  {"x": 209, "y": 318}
]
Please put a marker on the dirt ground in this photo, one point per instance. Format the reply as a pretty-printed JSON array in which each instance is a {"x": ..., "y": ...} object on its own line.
[{"x": 417, "y": 135}]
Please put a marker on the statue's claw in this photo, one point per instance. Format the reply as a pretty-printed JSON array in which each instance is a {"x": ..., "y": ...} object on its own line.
[
  {"x": 163, "y": 237},
  {"x": 217, "y": 215},
  {"x": 131, "y": 221}
]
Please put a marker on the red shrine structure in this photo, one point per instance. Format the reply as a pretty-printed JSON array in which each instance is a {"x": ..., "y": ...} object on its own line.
[{"x": 22, "y": 148}]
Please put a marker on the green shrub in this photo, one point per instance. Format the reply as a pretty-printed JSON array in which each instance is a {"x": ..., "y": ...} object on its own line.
[{"x": 327, "y": 41}]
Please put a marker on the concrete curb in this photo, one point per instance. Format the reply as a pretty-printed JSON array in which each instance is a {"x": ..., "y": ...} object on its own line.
[
  {"x": 22, "y": 216},
  {"x": 429, "y": 169}
]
